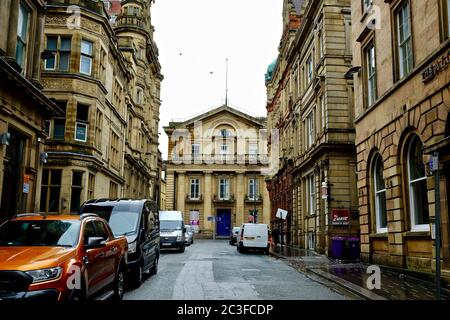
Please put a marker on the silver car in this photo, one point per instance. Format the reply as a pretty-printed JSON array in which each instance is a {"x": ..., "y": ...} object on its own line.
[{"x": 189, "y": 235}]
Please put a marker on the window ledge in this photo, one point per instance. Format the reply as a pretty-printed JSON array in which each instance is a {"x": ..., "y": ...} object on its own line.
[
  {"x": 417, "y": 234},
  {"x": 378, "y": 235}
]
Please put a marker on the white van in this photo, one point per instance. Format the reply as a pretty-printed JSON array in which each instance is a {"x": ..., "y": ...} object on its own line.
[
  {"x": 172, "y": 230},
  {"x": 254, "y": 236}
]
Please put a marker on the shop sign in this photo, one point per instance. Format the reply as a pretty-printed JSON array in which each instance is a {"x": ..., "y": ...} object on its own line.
[
  {"x": 340, "y": 217},
  {"x": 434, "y": 69}
]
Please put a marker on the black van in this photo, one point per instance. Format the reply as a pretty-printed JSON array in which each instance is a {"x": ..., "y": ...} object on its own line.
[{"x": 138, "y": 221}]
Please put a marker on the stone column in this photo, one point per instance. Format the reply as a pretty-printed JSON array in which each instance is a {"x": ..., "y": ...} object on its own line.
[
  {"x": 37, "y": 47},
  {"x": 207, "y": 201},
  {"x": 170, "y": 191},
  {"x": 12, "y": 28},
  {"x": 240, "y": 198},
  {"x": 181, "y": 191}
]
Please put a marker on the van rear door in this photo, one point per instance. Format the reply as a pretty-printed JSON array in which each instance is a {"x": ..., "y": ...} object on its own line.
[{"x": 255, "y": 235}]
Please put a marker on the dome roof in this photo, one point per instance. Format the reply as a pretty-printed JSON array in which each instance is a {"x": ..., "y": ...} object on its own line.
[{"x": 271, "y": 70}]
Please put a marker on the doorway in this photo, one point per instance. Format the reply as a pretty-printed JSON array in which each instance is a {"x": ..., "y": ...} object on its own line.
[
  {"x": 12, "y": 176},
  {"x": 223, "y": 222}
]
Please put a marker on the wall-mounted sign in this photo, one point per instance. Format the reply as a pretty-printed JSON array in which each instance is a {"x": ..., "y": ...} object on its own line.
[
  {"x": 282, "y": 214},
  {"x": 340, "y": 217},
  {"x": 26, "y": 184},
  {"x": 434, "y": 69},
  {"x": 195, "y": 220}
]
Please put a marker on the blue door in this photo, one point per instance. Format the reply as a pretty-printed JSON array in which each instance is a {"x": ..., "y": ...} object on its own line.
[{"x": 223, "y": 228}]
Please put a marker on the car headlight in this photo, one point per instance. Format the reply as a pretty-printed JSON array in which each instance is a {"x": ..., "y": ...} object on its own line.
[
  {"x": 132, "y": 247},
  {"x": 179, "y": 237},
  {"x": 45, "y": 274}
]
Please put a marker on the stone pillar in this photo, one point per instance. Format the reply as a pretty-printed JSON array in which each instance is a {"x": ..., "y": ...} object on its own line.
[
  {"x": 12, "y": 29},
  {"x": 240, "y": 198},
  {"x": 170, "y": 191},
  {"x": 37, "y": 47},
  {"x": 181, "y": 191},
  {"x": 207, "y": 201}
]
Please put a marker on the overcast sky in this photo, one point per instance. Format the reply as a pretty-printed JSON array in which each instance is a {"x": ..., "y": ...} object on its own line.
[{"x": 195, "y": 37}]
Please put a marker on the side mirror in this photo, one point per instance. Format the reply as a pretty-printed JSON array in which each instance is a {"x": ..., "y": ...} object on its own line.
[
  {"x": 95, "y": 242},
  {"x": 184, "y": 229}
]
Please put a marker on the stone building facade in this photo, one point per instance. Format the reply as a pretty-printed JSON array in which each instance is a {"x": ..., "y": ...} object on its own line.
[
  {"x": 23, "y": 106},
  {"x": 215, "y": 170},
  {"x": 106, "y": 79},
  {"x": 402, "y": 104},
  {"x": 310, "y": 102}
]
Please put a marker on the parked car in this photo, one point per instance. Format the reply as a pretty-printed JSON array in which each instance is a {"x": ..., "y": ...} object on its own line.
[
  {"x": 254, "y": 236},
  {"x": 234, "y": 235},
  {"x": 138, "y": 221},
  {"x": 40, "y": 255},
  {"x": 172, "y": 230},
  {"x": 189, "y": 236}
]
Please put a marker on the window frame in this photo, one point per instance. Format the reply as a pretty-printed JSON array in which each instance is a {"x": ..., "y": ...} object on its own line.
[
  {"x": 253, "y": 189},
  {"x": 24, "y": 42},
  {"x": 311, "y": 194},
  {"x": 57, "y": 52},
  {"x": 371, "y": 98},
  {"x": 412, "y": 209},
  {"x": 194, "y": 189},
  {"x": 401, "y": 73},
  {"x": 82, "y": 123},
  {"x": 225, "y": 182},
  {"x": 378, "y": 160},
  {"x": 79, "y": 188},
  {"x": 310, "y": 128},
  {"x": 366, "y": 5},
  {"x": 48, "y": 185},
  {"x": 89, "y": 56}
]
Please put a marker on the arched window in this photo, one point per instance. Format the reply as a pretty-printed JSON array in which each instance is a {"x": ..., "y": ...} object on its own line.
[
  {"x": 379, "y": 193},
  {"x": 417, "y": 184}
]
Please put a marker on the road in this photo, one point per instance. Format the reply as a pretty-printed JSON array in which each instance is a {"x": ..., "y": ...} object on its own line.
[{"x": 214, "y": 270}]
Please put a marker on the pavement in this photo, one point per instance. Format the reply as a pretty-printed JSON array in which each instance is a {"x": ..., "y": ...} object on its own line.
[
  {"x": 214, "y": 270},
  {"x": 352, "y": 276}
]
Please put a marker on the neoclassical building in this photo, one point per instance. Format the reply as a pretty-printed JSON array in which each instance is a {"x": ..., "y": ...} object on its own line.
[
  {"x": 402, "y": 104},
  {"x": 106, "y": 77},
  {"x": 215, "y": 170}
]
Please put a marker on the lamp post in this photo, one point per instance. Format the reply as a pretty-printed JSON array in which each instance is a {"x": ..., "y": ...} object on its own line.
[
  {"x": 254, "y": 197},
  {"x": 437, "y": 223}
]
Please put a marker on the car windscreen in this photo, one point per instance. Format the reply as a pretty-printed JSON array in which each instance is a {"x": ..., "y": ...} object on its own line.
[
  {"x": 123, "y": 217},
  {"x": 170, "y": 225},
  {"x": 45, "y": 233}
]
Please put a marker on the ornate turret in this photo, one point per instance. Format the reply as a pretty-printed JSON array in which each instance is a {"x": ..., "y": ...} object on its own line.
[{"x": 135, "y": 14}]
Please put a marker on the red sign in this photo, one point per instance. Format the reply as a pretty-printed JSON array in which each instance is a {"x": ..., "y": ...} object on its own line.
[{"x": 340, "y": 217}]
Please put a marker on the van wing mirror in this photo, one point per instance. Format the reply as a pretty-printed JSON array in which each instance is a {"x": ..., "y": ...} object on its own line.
[{"x": 184, "y": 229}]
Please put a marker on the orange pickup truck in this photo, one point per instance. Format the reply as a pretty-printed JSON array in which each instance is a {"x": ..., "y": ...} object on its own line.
[{"x": 60, "y": 257}]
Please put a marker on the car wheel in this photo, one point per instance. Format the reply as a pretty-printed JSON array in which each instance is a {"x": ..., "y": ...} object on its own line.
[
  {"x": 137, "y": 276},
  {"x": 182, "y": 248},
  {"x": 154, "y": 268},
  {"x": 119, "y": 285}
]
